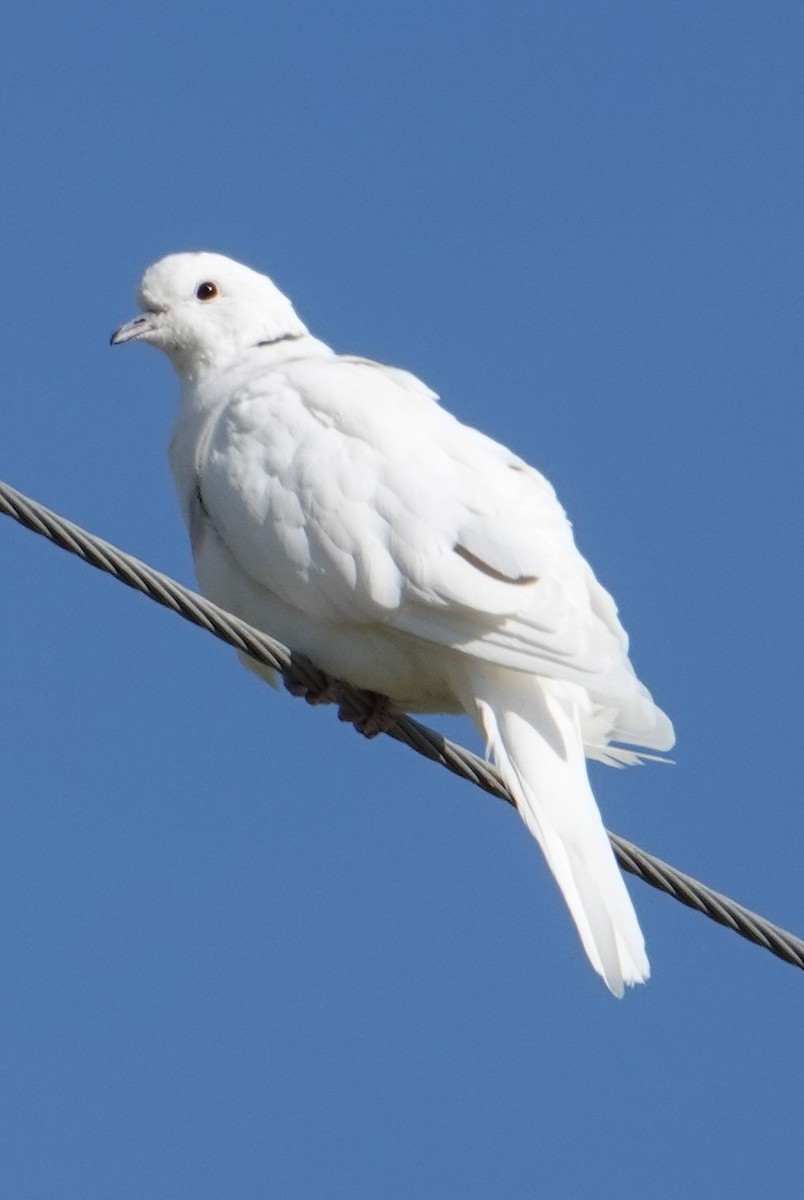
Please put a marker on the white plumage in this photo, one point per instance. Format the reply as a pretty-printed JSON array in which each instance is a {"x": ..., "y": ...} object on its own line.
[{"x": 332, "y": 502}]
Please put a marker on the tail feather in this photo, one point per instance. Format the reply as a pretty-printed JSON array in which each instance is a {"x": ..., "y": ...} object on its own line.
[{"x": 532, "y": 729}]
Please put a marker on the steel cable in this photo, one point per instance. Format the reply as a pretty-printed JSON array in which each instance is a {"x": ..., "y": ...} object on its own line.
[{"x": 297, "y": 670}]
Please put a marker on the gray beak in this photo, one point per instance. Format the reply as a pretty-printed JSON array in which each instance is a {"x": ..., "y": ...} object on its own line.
[{"x": 140, "y": 328}]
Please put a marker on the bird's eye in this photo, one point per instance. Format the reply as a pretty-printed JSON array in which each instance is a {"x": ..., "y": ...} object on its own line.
[{"x": 206, "y": 291}]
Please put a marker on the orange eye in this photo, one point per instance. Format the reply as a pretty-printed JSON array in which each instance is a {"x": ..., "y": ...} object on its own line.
[{"x": 206, "y": 291}]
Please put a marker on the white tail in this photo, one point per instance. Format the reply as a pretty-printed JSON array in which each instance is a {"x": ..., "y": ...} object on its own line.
[{"x": 532, "y": 730}]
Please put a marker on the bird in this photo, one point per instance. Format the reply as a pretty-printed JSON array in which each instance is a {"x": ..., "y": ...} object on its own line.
[{"x": 334, "y": 503}]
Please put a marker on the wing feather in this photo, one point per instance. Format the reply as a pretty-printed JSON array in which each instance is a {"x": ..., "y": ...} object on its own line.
[{"x": 349, "y": 493}]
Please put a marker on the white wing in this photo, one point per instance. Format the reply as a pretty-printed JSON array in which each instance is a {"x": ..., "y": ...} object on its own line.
[{"x": 343, "y": 488}]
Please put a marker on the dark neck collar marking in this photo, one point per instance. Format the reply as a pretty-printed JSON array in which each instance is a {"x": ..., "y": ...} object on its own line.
[{"x": 285, "y": 337}]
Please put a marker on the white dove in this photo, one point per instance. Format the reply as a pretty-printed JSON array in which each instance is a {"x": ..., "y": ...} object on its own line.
[{"x": 333, "y": 503}]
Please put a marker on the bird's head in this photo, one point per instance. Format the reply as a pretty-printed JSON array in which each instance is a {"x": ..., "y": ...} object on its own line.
[{"x": 203, "y": 309}]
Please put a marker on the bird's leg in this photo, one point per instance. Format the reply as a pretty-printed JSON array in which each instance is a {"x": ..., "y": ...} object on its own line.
[
  {"x": 379, "y": 719},
  {"x": 319, "y": 689},
  {"x": 328, "y": 693}
]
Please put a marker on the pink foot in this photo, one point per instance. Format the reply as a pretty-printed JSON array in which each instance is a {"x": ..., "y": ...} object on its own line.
[
  {"x": 330, "y": 693},
  {"x": 380, "y": 718}
]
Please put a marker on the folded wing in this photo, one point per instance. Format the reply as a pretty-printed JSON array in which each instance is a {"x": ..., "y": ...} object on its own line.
[{"x": 343, "y": 487}]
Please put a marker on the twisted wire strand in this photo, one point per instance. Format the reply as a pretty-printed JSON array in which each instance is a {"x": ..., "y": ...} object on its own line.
[{"x": 299, "y": 671}]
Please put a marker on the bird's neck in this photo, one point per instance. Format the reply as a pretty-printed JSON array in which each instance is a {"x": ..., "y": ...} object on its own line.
[{"x": 199, "y": 372}]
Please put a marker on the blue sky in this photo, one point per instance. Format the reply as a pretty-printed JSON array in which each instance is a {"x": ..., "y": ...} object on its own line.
[{"x": 242, "y": 952}]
